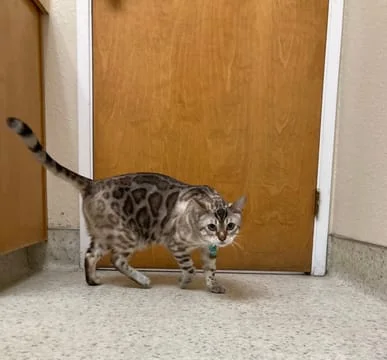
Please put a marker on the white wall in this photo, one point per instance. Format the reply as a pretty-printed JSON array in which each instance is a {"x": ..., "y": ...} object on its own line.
[
  {"x": 360, "y": 187},
  {"x": 59, "y": 32}
]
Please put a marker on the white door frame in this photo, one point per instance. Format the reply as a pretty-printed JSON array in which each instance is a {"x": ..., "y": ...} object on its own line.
[{"x": 327, "y": 134}]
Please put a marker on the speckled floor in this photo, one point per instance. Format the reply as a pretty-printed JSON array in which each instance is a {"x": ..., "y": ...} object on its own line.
[{"x": 55, "y": 315}]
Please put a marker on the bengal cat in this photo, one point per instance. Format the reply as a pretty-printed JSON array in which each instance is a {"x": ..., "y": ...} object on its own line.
[{"x": 128, "y": 212}]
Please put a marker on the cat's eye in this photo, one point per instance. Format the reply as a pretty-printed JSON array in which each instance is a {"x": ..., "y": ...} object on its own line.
[
  {"x": 211, "y": 227},
  {"x": 230, "y": 226}
]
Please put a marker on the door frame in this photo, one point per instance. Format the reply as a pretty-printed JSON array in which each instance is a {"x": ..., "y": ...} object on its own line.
[{"x": 327, "y": 131}]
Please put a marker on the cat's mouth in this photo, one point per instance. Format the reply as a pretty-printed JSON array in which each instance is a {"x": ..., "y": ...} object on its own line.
[{"x": 224, "y": 243}]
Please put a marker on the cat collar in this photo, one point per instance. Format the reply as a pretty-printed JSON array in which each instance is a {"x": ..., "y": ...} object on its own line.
[{"x": 213, "y": 251}]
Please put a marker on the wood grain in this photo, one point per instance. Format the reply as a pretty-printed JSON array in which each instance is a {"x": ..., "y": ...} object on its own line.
[
  {"x": 22, "y": 184},
  {"x": 222, "y": 92}
]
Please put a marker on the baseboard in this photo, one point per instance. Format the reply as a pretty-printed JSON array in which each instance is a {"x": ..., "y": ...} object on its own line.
[
  {"x": 60, "y": 251},
  {"x": 362, "y": 264},
  {"x": 13, "y": 267}
]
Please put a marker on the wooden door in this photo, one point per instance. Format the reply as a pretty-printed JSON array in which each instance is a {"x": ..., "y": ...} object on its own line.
[
  {"x": 22, "y": 180},
  {"x": 222, "y": 92}
]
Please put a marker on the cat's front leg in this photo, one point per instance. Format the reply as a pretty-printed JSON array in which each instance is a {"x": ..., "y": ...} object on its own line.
[
  {"x": 209, "y": 267},
  {"x": 185, "y": 263}
]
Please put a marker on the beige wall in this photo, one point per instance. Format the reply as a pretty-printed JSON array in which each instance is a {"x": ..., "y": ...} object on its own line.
[
  {"x": 360, "y": 187},
  {"x": 59, "y": 31}
]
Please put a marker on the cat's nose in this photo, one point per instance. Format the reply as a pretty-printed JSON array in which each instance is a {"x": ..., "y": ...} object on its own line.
[{"x": 221, "y": 236}]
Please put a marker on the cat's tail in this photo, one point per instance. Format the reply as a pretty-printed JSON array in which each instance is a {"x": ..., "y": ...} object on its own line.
[{"x": 33, "y": 144}]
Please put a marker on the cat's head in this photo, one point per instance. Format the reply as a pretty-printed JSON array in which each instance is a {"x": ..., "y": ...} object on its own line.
[{"x": 221, "y": 223}]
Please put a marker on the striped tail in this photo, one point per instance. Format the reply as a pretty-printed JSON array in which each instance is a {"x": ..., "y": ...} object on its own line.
[{"x": 31, "y": 141}]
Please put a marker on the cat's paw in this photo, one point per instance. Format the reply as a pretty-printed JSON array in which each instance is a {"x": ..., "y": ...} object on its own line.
[
  {"x": 93, "y": 281},
  {"x": 184, "y": 284},
  {"x": 142, "y": 280},
  {"x": 217, "y": 289},
  {"x": 185, "y": 280},
  {"x": 146, "y": 283}
]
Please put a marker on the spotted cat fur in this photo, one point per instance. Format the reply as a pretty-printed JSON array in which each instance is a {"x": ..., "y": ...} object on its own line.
[{"x": 133, "y": 211}]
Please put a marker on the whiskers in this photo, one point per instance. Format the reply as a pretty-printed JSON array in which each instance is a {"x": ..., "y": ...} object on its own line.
[{"x": 237, "y": 246}]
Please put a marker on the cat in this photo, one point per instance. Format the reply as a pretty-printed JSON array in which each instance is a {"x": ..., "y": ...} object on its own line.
[{"x": 132, "y": 211}]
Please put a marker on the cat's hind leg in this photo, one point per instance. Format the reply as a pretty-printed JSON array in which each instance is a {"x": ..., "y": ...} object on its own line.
[
  {"x": 93, "y": 254},
  {"x": 122, "y": 250},
  {"x": 120, "y": 261}
]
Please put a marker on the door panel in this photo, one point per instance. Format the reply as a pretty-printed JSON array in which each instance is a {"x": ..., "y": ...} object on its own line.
[
  {"x": 225, "y": 93},
  {"x": 22, "y": 182}
]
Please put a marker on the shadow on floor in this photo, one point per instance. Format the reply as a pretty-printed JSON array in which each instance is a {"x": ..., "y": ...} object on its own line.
[{"x": 235, "y": 290}]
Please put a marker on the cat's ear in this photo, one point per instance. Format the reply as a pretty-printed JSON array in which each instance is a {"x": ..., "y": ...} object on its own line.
[{"x": 238, "y": 205}]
